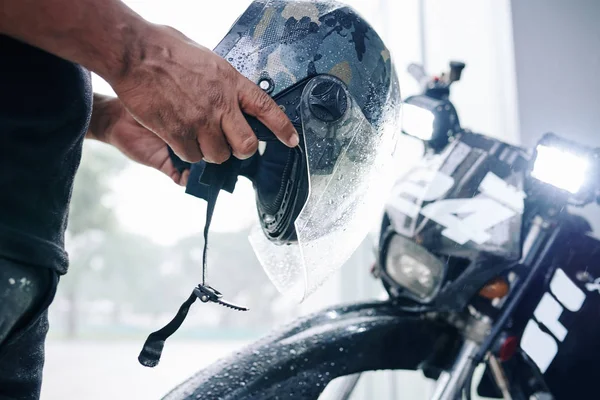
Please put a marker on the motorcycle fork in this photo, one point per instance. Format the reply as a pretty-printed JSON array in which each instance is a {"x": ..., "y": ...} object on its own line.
[{"x": 450, "y": 383}]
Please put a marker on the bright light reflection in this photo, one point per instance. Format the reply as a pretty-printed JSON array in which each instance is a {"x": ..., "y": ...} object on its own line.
[
  {"x": 560, "y": 168},
  {"x": 417, "y": 121}
]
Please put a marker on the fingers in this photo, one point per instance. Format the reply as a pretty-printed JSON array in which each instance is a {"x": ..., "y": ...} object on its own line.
[
  {"x": 180, "y": 179},
  {"x": 214, "y": 146},
  {"x": 240, "y": 136},
  {"x": 183, "y": 181},
  {"x": 259, "y": 104},
  {"x": 186, "y": 146}
]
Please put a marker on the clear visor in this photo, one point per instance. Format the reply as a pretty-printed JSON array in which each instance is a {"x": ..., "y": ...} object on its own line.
[{"x": 345, "y": 195}]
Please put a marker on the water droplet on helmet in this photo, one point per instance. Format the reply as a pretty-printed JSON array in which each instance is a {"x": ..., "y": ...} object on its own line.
[{"x": 341, "y": 349}]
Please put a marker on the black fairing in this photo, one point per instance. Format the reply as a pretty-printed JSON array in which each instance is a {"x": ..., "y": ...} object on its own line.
[
  {"x": 573, "y": 372},
  {"x": 298, "y": 361},
  {"x": 481, "y": 177}
]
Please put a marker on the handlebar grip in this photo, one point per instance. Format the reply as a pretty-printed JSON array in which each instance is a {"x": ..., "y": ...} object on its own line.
[{"x": 456, "y": 68}]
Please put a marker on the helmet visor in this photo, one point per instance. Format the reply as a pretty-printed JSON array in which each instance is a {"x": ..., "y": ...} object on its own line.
[{"x": 349, "y": 162}]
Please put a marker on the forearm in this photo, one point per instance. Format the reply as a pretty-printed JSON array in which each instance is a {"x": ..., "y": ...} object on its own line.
[
  {"x": 102, "y": 117},
  {"x": 102, "y": 35}
]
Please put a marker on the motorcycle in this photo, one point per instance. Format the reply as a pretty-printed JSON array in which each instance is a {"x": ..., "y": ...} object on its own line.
[{"x": 484, "y": 263}]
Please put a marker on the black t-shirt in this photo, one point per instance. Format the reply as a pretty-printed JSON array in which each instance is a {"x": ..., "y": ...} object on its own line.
[{"x": 45, "y": 106}]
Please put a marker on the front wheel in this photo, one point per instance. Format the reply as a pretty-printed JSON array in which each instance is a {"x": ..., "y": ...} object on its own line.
[{"x": 300, "y": 360}]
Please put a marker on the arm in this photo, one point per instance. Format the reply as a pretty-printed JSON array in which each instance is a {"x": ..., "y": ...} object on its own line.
[
  {"x": 182, "y": 92},
  {"x": 102, "y": 35}
]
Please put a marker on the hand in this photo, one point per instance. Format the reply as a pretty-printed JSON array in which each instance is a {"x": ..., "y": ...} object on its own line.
[
  {"x": 112, "y": 124},
  {"x": 193, "y": 99}
]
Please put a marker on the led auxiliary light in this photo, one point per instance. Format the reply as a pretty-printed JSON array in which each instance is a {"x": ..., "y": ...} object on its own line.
[
  {"x": 565, "y": 165},
  {"x": 560, "y": 168}
]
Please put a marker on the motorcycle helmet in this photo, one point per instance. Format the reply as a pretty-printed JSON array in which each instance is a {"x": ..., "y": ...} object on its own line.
[{"x": 333, "y": 76}]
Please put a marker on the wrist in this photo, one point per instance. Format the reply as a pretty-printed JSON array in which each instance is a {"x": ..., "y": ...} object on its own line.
[
  {"x": 148, "y": 46},
  {"x": 125, "y": 53},
  {"x": 106, "y": 111},
  {"x": 135, "y": 47}
]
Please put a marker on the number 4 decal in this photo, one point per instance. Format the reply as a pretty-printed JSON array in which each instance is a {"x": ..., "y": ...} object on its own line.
[
  {"x": 469, "y": 219},
  {"x": 464, "y": 219},
  {"x": 481, "y": 214}
]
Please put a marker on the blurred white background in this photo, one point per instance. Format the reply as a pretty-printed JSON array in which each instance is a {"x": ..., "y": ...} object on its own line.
[{"x": 112, "y": 297}]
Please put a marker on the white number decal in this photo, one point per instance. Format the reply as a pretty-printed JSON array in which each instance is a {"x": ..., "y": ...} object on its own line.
[
  {"x": 479, "y": 213},
  {"x": 464, "y": 219},
  {"x": 539, "y": 345}
]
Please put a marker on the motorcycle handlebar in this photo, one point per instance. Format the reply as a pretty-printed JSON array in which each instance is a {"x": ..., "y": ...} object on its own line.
[{"x": 417, "y": 72}]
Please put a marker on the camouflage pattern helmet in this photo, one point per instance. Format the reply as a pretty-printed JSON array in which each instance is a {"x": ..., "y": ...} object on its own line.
[
  {"x": 290, "y": 40},
  {"x": 334, "y": 77}
]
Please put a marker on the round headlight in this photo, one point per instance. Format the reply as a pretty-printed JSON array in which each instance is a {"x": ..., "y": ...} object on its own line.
[{"x": 413, "y": 268}]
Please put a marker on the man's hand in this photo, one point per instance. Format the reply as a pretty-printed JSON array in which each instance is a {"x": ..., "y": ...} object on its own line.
[
  {"x": 181, "y": 91},
  {"x": 194, "y": 99},
  {"x": 112, "y": 124}
]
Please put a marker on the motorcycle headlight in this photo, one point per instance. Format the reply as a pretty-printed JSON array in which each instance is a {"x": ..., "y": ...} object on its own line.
[
  {"x": 413, "y": 268},
  {"x": 417, "y": 122},
  {"x": 432, "y": 120},
  {"x": 565, "y": 165}
]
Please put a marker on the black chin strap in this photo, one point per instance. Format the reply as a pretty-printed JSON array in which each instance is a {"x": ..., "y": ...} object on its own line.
[{"x": 215, "y": 177}]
